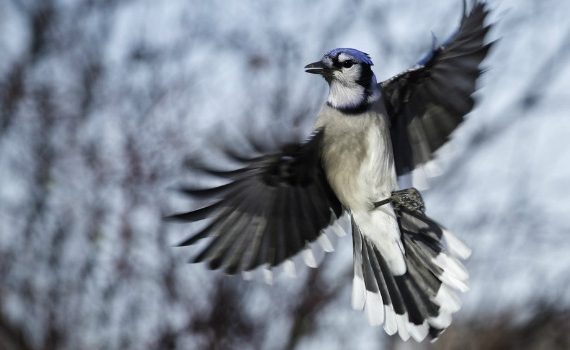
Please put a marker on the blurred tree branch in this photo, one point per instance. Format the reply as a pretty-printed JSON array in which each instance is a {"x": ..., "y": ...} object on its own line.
[{"x": 99, "y": 106}]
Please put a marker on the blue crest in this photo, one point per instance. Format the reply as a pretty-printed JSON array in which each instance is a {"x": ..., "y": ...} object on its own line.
[{"x": 362, "y": 57}]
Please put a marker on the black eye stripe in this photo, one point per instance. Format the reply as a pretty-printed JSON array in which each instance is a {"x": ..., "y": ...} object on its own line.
[{"x": 346, "y": 64}]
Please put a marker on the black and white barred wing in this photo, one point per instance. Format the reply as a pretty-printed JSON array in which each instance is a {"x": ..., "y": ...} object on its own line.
[
  {"x": 429, "y": 101},
  {"x": 267, "y": 212},
  {"x": 419, "y": 302}
]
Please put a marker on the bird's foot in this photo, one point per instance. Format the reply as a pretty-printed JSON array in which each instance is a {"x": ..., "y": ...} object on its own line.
[{"x": 409, "y": 198}]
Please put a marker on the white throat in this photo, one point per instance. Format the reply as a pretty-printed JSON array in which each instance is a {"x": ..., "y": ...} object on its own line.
[{"x": 343, "y": 95}]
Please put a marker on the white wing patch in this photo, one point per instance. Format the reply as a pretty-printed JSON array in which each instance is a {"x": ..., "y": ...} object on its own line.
[{"x": 310, "y": 256}]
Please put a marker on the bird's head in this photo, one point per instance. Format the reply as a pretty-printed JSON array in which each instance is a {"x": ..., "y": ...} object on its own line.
[{"x": 350, "y": 77}]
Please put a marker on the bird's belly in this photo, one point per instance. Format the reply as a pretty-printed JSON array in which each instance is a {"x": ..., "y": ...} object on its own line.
[{"x": 359, "y": 163}]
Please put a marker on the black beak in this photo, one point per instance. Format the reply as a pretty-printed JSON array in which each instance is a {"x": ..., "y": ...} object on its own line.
[{"x": 316, "y": 68}]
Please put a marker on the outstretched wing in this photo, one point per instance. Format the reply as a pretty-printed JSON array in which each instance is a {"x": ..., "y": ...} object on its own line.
[
  {"x": 268, "y": 211},
  {"x": 427, "y": 102}
]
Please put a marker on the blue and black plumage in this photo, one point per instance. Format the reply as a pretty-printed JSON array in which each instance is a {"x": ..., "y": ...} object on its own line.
[{"x": 406, "y": 266}]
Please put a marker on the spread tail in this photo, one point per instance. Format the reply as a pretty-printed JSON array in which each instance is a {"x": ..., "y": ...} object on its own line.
[{"x": 418, "y": 302}]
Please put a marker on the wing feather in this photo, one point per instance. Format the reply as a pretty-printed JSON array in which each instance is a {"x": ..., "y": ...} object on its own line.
[
  {"x": 270, "y": 209},
  {"x": 426, "y": 103}
]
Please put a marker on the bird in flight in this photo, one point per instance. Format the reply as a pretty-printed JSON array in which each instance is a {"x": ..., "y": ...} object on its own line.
[{"x": 407, "y": 267}]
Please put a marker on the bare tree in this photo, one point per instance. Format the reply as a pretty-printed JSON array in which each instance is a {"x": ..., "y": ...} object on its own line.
[{"x": 103, "y": 102}]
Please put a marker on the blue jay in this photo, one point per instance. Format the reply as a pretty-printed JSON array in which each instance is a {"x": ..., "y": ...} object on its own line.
[{"x": 406, "y": 266}]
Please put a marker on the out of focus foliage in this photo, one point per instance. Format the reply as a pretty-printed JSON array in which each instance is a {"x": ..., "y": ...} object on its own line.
[{"x": 103, "y": 101}]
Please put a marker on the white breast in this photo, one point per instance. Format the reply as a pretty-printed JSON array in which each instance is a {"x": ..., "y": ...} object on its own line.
[
  {"x": 358, "y": 161},
  {"x": 377, "y": 171},
  {"x": 357, "y": 156}
]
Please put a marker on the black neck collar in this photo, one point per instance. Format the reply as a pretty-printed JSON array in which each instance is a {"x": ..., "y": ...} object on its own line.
[{"x": 357, "y": 109}]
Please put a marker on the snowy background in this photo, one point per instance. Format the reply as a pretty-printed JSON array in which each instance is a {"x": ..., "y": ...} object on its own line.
[{"x": 102, "y": 102}]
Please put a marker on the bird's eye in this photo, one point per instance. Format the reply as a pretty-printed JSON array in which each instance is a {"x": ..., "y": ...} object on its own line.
[{"x": 347, "y": 64}]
